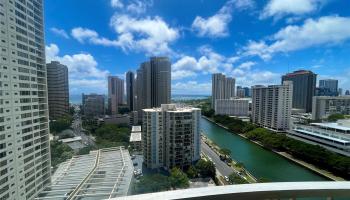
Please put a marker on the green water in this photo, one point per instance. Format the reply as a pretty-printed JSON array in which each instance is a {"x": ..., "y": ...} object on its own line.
[{"x": 257, "y": 160}]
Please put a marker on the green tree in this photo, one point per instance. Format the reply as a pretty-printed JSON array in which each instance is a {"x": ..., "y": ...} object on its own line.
[
  {"x": 110, "y": 135},
  {"x": 236, "y": 179},
  {"x": 335, "y": 117},
  {"x": 153, "y": 183},
  {"x": 60, "y": 152},
  {"x": 61, "y": 124},
  {"x": 178, "y": 179},
  {"x": 206, "y": 168},
  {"x": 226, "y": 152},
  {"x": 192, "y": 172}
]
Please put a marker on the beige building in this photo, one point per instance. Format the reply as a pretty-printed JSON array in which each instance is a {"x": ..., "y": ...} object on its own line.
[
  {"x": 58, "y": 89},
  {"x": 222, "y": 87},
  {"x": 232, "y": 107},
  {"x": 24, "y": 115},
  {"x": 171, "y": 136},
  {"x": 323, "y": 106},
  {"x": 272, "y": 106}
]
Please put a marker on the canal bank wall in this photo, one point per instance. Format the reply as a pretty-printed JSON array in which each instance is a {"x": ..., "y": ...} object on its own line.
[{"x": 287, "y": 156}]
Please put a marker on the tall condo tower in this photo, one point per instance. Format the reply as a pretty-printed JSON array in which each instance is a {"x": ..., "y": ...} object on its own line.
[
  {"x": 222, "y": 87},
  {"x": 115, "y": 93},
  {"x": 272, "y": 105},
  {"x": 130, "y": 90},
  {"x": 58, "y": 89},
  {"x": 24, "y": 115},
  {"x": 153, "y": 83},
  {"x": 304, "y": 88}
]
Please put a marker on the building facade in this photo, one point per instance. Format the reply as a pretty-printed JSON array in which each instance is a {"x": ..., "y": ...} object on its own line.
[
  {"x": 240, "y": 92},
  {"x": 232, "y": 107},
  {"x": 304, "y": 88},
  {"x": 115, "y": 94},
  {"x": 93, "y": 105},
  {"x": 334, "y": 136},
  {"x": 171, "y": 136},
  {"x": 330, "y": 86},
  {"x": 153, "y": 83},
  {"x": 272, "y": 106},
  {"x": 323, "y": 106},
  {"x": 130, "y": 90},
  {"x": 24, "y": 115},
  {"x": 58, "y": 89},
  {"x": 222, "y": 87}
]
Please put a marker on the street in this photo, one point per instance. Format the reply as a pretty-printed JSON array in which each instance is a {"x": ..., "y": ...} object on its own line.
[
  {"x": 220, "y": 165},
  {"x": 77, "y": 128}
]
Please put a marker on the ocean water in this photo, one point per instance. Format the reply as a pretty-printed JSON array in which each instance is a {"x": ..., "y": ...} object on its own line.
[{"x": 76, "y": 98}]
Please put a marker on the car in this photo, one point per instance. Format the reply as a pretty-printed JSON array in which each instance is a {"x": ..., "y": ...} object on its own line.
[
  {"x": 135, "y": 164},
  {"x": 227, "y": 179}
]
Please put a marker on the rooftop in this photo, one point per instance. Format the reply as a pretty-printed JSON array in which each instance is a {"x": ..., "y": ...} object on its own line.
[
  {"x": 135, "y": 137},
  {"x": 337, "y": 126},
  {"x": 102, "y": 174},
  {"x": 171, "y": 108},
  {"x": 136, "y": 129}
]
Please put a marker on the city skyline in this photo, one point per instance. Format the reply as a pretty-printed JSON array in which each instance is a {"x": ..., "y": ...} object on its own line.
[{"x": 252, "y": 41}]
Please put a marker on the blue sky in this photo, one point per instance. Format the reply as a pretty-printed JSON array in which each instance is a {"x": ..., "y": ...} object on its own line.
[{"x": 254, "y": 41}]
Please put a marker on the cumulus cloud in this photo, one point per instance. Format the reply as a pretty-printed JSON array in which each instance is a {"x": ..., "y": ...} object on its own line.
[
  {"x": 59, "y": 32},
  {"x": 209, "y": 62},
  {"x": 280, "y": 8},
  {"x": 84, "y": 74},
  {"x": 150, "y": 35},
  {"x": 217, "y": 25},
  {"x": 328, "y": 30},
  {"x": 139, "y": 6},
  {"x": 117, "y": 4}
]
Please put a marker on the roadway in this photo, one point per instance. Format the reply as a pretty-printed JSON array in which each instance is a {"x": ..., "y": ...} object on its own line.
[
  {"x": 78, "y": 131},
  {"x": 220, "y": 165}
]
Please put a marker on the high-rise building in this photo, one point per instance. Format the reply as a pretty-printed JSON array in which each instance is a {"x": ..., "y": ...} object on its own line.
[
  {"x": 340, "y": 91},
  {"x": 328, "y": 87},
  {"x": 93, "y": 105},
  {"x": 247, "y": 92},
  {"x": 58, "y": 89},
  {"x": 347, "y": 93},
  {"x": 115, "y": 93},
  {"x": 153, "y": 83},
  {"x": 272, "y": 105},
  {"x": 130, "y": 90},
  {"x": 24, "y": 115},
  {"x": 232, "y": 107},
  {"x": 171, "y": 136},
  {"x": 222, "y": 87},
  {"x": 304, "y": 88},
  {"x": 240, "y": 92},
  {"x": 323, "y": 106}
]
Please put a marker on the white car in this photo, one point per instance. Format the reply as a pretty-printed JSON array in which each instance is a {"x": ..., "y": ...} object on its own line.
[{"x": 227, "y": 179}]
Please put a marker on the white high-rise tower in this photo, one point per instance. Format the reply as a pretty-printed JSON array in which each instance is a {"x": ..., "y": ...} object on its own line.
[{"x": 24, "y": 126}]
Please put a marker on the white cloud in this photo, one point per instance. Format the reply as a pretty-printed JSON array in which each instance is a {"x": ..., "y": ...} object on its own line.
[
  {"x": 208, "y": 62},
  {"x": 328, "y": 30},
  {"x": 149, "y": 35},
  {"x": 280, "y": 8},
  {"x": 139, "y": 6},
  {"x": 191, "y": 87},
  {"x": 84, "y": 74},
  {"x": 59, "y": 32},
  {"x": 117, "y": 4},
  {"x": 217, "y": 25}
]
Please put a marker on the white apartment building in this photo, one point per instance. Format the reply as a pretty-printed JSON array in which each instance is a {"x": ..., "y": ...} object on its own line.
[
  {"x": 232, "y": 107},
  {"x": 272, "y": 106},
  {"x": 323, "y": 106},
  {"x": 171, "y": 136},
  {"x": 24, "y": 116},
  {"x": 334, "y": 136},
  {"x": 222, "y": 87}
]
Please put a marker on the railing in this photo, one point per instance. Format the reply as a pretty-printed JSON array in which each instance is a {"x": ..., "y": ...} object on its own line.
[{"x": 281, "y": 190}]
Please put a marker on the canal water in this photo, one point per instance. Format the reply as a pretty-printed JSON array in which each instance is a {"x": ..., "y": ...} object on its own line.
[{"x": 260, "y": 162}]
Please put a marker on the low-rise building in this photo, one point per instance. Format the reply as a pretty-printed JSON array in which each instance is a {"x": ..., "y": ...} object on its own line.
[
  {"x": 334, "y": 136},
  {"x": 135, "y": 138},
  {"x": 323, "y": 106},
  {"x": 232, "y": 107}
]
